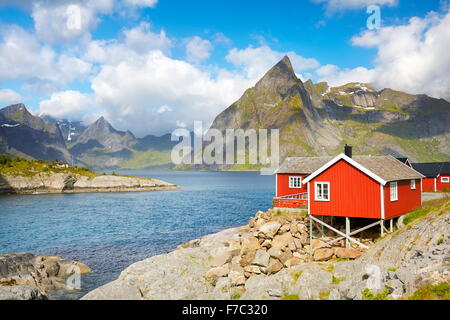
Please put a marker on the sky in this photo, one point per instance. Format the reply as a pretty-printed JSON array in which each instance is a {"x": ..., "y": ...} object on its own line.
[{"x": 151, "y": 66}]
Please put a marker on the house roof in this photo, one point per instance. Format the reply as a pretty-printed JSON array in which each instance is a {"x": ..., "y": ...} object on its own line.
[
  {"x": 432, "y": 169},
  {"x": 381, "y": 168},
  {"x": 302, "y": 165}
]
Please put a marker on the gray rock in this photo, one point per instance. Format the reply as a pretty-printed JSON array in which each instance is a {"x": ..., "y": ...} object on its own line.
[
  {"x": 261, "y": 258},
  {"x": 21, "y": 293}
]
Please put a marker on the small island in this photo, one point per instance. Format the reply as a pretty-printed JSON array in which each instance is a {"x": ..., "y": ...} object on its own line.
[{"x": 21, "y": 176}]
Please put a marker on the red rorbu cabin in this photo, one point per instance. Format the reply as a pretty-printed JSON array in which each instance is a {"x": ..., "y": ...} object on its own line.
[
  {"x": 372, "y": 187},
  {"x": 376, "y": 187},
  {"x": 437, "y": 176}
]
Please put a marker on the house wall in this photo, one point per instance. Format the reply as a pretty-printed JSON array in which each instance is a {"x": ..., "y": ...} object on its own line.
[
  {"x": 283, "y": 185},
  {"x": 352, "y": 193},
  {"x": 428, "y": 184},
  {"x": 408, "y": 199},
  {"x": 441, "y": 186}
]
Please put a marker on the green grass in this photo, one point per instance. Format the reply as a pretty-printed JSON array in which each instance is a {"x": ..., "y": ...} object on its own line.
[
  {"x": 16, "y": 166},
  {"x": 439, "y": 291},
  {"x": 235, "y": 296},
  {"x": 368, "y": 295},
  {"x": 143, "y": 159},
  {"x": 427, "y": 208},
  {"x": 337, "y": 280},
  {"x": 290, "y": 297}
]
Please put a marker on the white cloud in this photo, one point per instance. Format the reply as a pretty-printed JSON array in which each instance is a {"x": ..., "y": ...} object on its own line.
[
  {"x": 133, "y": 43},
  {"x": 142, "y": 3},
  {"x": 142, "y": 40},
  {"x": 221, "y": 38},
  {"x": 65, "y": 21},
  {"x": 198, "y": 49},
  {"x": 132, "y": 92},
  {"x": 67, "y": 104},
  {"x": 8, "y": 96},
  {"x": 343, "y": 5},
  {"x": 25, "y": 59},
  {"x": 257, "y": 61},
  {"x": 412, "y": 57}
]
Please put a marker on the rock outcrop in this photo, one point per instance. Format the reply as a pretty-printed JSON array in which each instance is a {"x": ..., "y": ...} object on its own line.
[
  {"x": 238, "y": 263},
  {"x": 25, "y": 276},
  {"x": 70, "y": 183}
]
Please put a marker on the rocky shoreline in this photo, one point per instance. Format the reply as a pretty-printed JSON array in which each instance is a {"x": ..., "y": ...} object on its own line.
[
  {"x": 25, "y": 276},
  {"x": 44, "y": 183},
  {"x": 259, "y": 261}
]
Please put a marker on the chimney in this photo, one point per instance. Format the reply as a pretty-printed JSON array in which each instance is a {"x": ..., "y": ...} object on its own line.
[{"x": 348, "y": 150}]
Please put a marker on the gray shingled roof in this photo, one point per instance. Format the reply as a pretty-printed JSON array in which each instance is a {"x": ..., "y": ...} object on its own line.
[
  {"x": 304, "y": 165},
  {"x": 386, "y": 167}
]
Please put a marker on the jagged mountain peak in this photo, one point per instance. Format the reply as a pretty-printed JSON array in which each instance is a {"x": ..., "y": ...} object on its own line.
[{"x": 281, "y": 73}]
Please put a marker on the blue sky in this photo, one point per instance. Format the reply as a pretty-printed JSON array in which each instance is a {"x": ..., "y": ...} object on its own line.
[{"x": 189, "y": 60}]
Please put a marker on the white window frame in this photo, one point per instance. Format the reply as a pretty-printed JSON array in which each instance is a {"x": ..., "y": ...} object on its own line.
[
  {"x": 393, "y": 188},
  {"x": 413, "y": 184},
  {"x": 318, "y": 197},
  {"x": 447, "y": 179},
  {"x": 295, "y": 182}
]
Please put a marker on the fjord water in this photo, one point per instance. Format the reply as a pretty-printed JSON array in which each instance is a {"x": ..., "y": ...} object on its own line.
[{"x": 110, "y": 231}]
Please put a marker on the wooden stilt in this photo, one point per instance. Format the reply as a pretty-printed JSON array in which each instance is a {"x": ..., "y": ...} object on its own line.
[
  {"x": 391, "y": 225},
  {"x": 347, "y": 232},
  {"x": 310, "y": 231},
  {"x": 340, "y": 233},
  {"x": 382, "y": 228}
]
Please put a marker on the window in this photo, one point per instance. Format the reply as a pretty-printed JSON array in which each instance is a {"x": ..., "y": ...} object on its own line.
[
  {"x": 322, "y": 191},
  {"x": 295, "y": 182},
  {"x": 394, "y": 191},
  {"x": 413, "y": 184},
  {"x": 445, "y": 179}
]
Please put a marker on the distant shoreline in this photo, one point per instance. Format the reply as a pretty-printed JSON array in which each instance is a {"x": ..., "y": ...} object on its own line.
[{"x": 89, "y": 190}]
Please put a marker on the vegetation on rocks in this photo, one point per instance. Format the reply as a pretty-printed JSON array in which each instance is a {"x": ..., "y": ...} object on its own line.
[{"x": 17, "y": 166}]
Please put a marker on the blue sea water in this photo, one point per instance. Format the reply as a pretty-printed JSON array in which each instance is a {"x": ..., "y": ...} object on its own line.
[{"x": 110, "y": 231}]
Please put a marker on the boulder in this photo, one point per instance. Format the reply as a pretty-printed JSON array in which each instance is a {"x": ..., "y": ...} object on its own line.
[
  {"x": 252, "y": 269},
  {"x": 250, "y": 244},
  {"x": 294, "y": 261},
  {"x": 21, "y": 293},
  {"x": 347, "y": 253},
  {"x": 274, "y": 266},
  {"x": 285, "y": 256},
  {"x": 237, "y": 276},
  {"x": 270, "y": 229},
  {"x": 246, "y": 258},
  {"x": 261, "y": 259},
  {"x": 212, "y": 275},
  {"x": 274, "y": 252},
  {"x": 282, "y": 241},
  {"x": 323, "y": 254}
]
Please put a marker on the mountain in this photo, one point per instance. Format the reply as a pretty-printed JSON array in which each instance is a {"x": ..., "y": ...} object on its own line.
[
  {"x": 316, "y": 119},
  {"x": 70, "y": 130},
  {"x": 101, "y": 146},
  {"x": 98, "y": 146},
  {"x": 23, "y": 134}
]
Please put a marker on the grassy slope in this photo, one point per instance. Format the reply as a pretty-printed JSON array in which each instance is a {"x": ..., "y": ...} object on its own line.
[{"x": 15, "y": 166}]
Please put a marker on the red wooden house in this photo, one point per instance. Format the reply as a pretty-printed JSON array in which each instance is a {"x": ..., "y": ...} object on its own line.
[
  {"x": 437, "y": 176},
  {"x": 378, "y": 187},
  {"x": 373, "y": 187}
]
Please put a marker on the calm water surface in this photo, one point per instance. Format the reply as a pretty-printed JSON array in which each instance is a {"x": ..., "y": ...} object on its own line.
[{"x": 110, "y": 231}]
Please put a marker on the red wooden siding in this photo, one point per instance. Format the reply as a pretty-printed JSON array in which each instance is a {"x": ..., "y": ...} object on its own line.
[
  {"x": 352, "y": 193},
  {"x": 408, "y": 199},
  {"x": 283, "y": 185},
  {"x": 442, "y": 186},
  {"x": 428, "y": 184}
]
